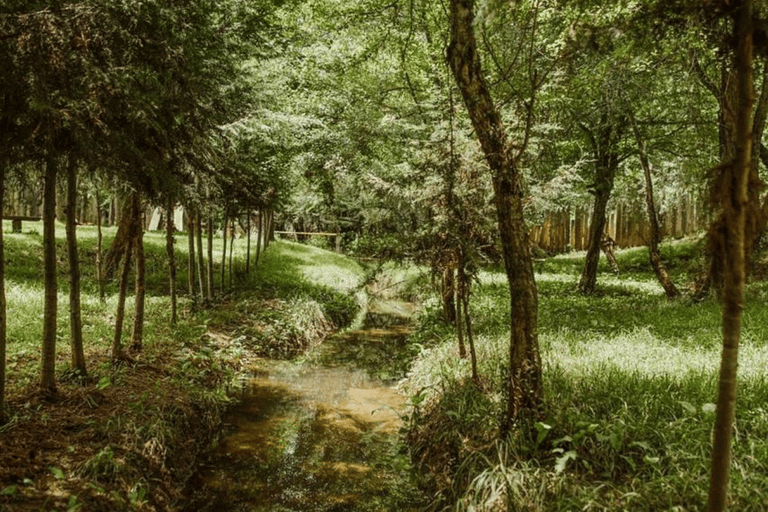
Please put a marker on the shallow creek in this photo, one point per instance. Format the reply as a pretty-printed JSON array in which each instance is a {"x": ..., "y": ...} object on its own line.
[{"x": 319, "y": 434}]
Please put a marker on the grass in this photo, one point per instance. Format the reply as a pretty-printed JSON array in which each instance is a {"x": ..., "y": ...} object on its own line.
[
  {"x": 128, "y": 437},
  {"x": 630, "y": 383}
]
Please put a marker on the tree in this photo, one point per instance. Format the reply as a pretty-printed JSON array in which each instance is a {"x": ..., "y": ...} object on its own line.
[
  {"x": 75, "y": 315},
  {"x": 525, "y": 391},
  {"x": 731, "y": 193}
]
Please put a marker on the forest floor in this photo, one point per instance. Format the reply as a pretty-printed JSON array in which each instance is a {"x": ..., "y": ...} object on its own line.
[{"x": 130, "y": 435}]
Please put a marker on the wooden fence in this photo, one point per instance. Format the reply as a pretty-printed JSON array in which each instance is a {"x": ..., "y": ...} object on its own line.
[{"x": 627, "y": 223}]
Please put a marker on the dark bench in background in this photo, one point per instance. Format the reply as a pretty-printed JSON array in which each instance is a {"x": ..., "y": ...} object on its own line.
[{"x": 16, "y": 221}]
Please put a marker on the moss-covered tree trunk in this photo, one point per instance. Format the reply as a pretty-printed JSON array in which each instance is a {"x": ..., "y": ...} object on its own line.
[
  {"x": 659, "y": 268},
  {"x": 50, "y": 305},
  {"x": 137, "y": 335},
  {"x": 732, "y": 193},
  {"x": 171, "y": 253},
  {"x": 524, "y": 392},
  {"x": 75, "y": 316}
]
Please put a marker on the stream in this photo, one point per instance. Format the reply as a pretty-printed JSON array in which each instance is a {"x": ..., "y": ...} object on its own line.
[{"x": 320, "y": 433}]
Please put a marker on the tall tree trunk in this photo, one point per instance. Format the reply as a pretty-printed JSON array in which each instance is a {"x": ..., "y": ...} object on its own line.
[
  {"x": 464, "y": 286},
  {"x": 209, "y": 266},
  {"x": 231, "y": 250},
  {"x": 659, "y": 268},
  {"x": 200, "y": 259},
  {"x": 606, "y": 164},
  {"x": 117, "y": 340},
  {"x": 248, "y": 242},
  {"x": 3, "y": 305},
  {"x": 524, "y": 393},
  {"x": 118, "y": 248},
  {"x": 137, "y": 336},
  {"x": 48, "y": 366},
  {"x": 448, "y": 292},
  {"x": 734, "y": 198},
  {"x": 456, "y": 297},
  {"x": 191, "y": 247},
  {"x": 169, "y": 242},
  {"x": 75, "y": 316},
  {"x": 224, "y": 250},
  {"x": 258, "y": 239},
  {"x": 99, "y": 248}
]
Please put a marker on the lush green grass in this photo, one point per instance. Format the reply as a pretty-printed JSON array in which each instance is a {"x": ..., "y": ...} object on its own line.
[{"x": 630, "y": 382}]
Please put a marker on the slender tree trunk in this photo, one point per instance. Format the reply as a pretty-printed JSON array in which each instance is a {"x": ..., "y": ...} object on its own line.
[
  {"x": 171, "y": 253},
  {"x": 118, "y": 247},
  {"x": 456, "y": 296},
  {"x": 464, "y": 286},
  {"x": 525, "y": 392},
  {"x": 191, "y": 246},
  {"x": 48, "y": 366},
  {"x": 448, "y": 295},
  {"x": 224, "y": 250},
  {"x": 248, "y": 242},
  {"x": 200, "y": 259},
  {"x": 231, "y": 250},
  {"x": 659, "y": 268},
  {"x": 117, "y": 340},
  {"x": 75, "y": 316},
  {"x": 137, "y": 336},
  {"x": 735, "y": 200},
  {"x": 258, "y": 240},
  {"x": 606, "y": 163},
  {"x": 99, "y": 248},
  {"x": 209, "y": 267},
  {"x": 3, "y": 305}
]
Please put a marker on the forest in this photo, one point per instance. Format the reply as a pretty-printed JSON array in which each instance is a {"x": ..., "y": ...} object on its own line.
[{"x": 537, "y": 225}]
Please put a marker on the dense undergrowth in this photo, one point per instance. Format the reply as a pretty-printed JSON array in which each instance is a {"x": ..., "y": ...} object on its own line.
[
  {"x": 129, "y": 436},
  {"x": 630, "y": 383}
]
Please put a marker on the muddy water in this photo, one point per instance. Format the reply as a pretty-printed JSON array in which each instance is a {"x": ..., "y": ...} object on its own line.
[{"x": 320, "y": 434}]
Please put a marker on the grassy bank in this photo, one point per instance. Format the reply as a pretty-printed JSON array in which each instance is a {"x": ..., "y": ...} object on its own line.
[
  {"x": 128, "y": 437},
  {"x": 630, "y": 383}
]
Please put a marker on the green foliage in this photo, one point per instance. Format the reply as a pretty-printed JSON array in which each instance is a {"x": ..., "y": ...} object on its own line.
[{"x": 630, "y": 382}]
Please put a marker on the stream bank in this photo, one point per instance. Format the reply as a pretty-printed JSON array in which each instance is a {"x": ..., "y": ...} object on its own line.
[{"x": 320, "y": 433}]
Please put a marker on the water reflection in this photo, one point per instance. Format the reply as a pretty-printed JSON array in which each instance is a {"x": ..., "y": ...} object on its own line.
[{"x": 317, "y": 436}]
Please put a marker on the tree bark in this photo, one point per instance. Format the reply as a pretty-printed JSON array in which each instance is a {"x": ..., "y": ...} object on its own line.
[
  {"x": 448, "y": 293},
  {"x": 524, "y": 393},
  {"x": 464, "y": 292},
  {"x": 75, "y": 316},
  {"x": 209, "y": 263},
  {"x": 117, "y": 340},
  {"x": 171, "y": 253},
  {"x": 191, "y": 247},
  {"x": 735, "y": 201},
  {"x": 659, "y": 268},
  {"x": 137, "y": 335},
  {"x": 99, "y": 248},
  {"x": 248, "y": 241},
  {"x": 456, "y": 296},
  {"x": 118, "y": 248},
  {"x": 3, "y": 304},
  {"x": 231, "y": 250},
  {"x": 224, "y": 250},
  {"x": 606, "y": 164},
  {"x": 48, "y": 364},
  {"x": 258, "y": 239},
  {"x": 200, "y": 259}
]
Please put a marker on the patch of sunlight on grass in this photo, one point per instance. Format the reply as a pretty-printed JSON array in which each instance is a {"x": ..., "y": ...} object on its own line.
[
  {"x": 643, "y": 352},
  {"x": 324, "y": 267}
]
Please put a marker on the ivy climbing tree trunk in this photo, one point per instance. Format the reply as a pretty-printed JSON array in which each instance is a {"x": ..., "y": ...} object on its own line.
[
  {"x": 50, "y": 305},
  {"x": 75, "y": 316},
  {"x": 732, "y": 193},
  {"x": 524, "y": 392},
  {"x": 659, "y": 268}
]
